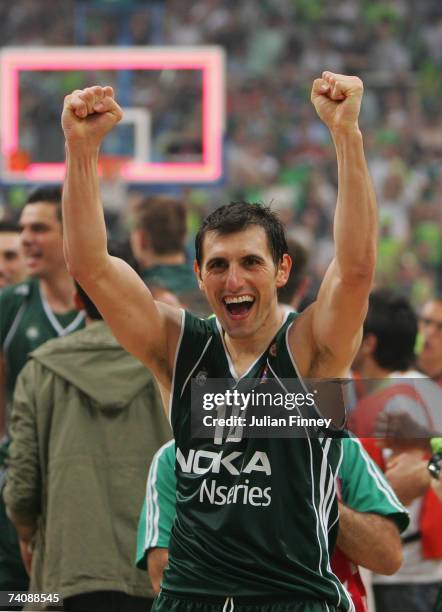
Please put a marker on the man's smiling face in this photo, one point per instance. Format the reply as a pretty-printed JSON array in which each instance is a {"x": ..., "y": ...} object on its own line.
[
  {"x": 240, "y": 279},
  {"x": 430, "y": 328},
  {"x": 41, "y": 239},
  {"x": 12, "y": 265}
]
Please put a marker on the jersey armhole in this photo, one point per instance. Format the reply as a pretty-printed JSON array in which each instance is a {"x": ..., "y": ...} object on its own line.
[
  {"x": 178, "y": 347},
  {"x": 333, "y": 429}
]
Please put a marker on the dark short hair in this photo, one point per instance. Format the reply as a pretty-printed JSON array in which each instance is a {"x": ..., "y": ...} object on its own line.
[
  {"x": 9, "y": 226},
  {"x": 238, "y": 216},
  {"x": 393, "y": 322},
  {"x": 164, "y": 220},
  {"x": 297, "y": 274},
  {"x": 47, "y": 193}
]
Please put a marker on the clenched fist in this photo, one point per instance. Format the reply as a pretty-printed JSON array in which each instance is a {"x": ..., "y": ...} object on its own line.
[
  {"x": 88, "y": 115},
  {"x": 337, "y": 100}
]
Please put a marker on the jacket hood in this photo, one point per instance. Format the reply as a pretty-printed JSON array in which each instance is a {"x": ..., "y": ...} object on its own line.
[{"x": 93, "y": 361}]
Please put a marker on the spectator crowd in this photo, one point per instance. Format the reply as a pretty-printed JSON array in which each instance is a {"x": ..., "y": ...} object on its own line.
[{"x": 276, "y": 150}]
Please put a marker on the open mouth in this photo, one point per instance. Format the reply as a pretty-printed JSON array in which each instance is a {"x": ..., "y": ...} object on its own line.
[
  {"x": 32, "y": 258},
  {"x": 239, "y": 306}
]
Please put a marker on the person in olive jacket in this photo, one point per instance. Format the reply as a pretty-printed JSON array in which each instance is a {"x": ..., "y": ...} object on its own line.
[{"x": 87, "y": 419}]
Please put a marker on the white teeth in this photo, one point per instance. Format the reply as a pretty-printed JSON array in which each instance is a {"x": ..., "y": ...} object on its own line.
[{"x": 239, "y": 299}]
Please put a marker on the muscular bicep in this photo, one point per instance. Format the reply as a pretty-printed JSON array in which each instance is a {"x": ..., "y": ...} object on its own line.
[
  {"x": 338, "y": 315},
  {"x": 143, "y": 327}
]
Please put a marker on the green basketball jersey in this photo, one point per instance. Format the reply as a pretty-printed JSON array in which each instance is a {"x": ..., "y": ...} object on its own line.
[
  {"x": 26, "y": 322},
  {"x": 363, "y": 488},
  {"x": 255, "y": 517}
]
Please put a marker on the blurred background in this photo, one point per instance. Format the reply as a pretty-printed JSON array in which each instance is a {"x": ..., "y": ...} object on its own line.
[{"x": 275, "y": 150}]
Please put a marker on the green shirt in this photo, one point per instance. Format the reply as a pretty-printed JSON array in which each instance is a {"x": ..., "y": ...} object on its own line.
[
  {"x": 264, "y": 508},
  {"x": 26, "y": 322},
  {"x": 176, "y": 278},
  {"x": 159, "y": 511},
  {"x": 363, "y": 486}
]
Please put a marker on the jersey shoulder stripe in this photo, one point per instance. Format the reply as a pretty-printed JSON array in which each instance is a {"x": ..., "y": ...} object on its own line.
[{"x": 162, "y": 466}]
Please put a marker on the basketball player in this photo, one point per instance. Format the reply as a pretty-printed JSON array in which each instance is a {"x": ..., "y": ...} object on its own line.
[{"x": 256, "y": 517}]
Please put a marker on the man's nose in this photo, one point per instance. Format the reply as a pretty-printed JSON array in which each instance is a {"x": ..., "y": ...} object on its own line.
[
  {"x": 235, "y": 280},
  {"x": 428, "y": 329},
  {"x": 25, "y": 237}
]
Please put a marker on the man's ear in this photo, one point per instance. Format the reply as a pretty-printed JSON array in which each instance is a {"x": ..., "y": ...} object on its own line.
[
  {"x": 369, "y": 344},
  {"x": 140, "y": 238},
  {"x": 283, "y": 272},
  {"x": 145, "y": 241},
  {"x": 197, "y": 271},
  {"x": 136, "y": 243}
]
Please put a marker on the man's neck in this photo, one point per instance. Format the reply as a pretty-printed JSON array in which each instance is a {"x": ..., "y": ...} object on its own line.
[
  {"x": 151, "y": 260},
  {"x": 372, "y": 371},
  {"x": 245, "y": 351},
  {"x": 58, "y": 289}
]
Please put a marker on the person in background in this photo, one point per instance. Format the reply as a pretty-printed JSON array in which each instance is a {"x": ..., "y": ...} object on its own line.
[
  {"x": 42, "y": 307},
  {"x": 31, "y": 312},
  {"x": 429, "y": 359},
  {"x": 422, "y": 474},
  {"x": 13, "y": 574},
  {"x": 400, "y": 424},
  {"x": 12, "y": 271},
  {"x": 385, "y": 361},
  {"x": 158, "y": 241},
  {"x": 12, "y": 263},
  {"x": 412, "y": 478},
  {"x": 86, "y": 421}
]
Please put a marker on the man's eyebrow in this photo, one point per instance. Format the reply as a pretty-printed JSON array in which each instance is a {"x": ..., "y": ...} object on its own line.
[
  {"x": 216, "y": 259},
  {"x": 34, "y": 225},
  {"x": 253, "y": 256}
]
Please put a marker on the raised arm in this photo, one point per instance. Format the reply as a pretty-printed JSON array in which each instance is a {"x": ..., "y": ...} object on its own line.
[
  {"x": 335, "y": 320},
  {"x": 145, "y": 328}
]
